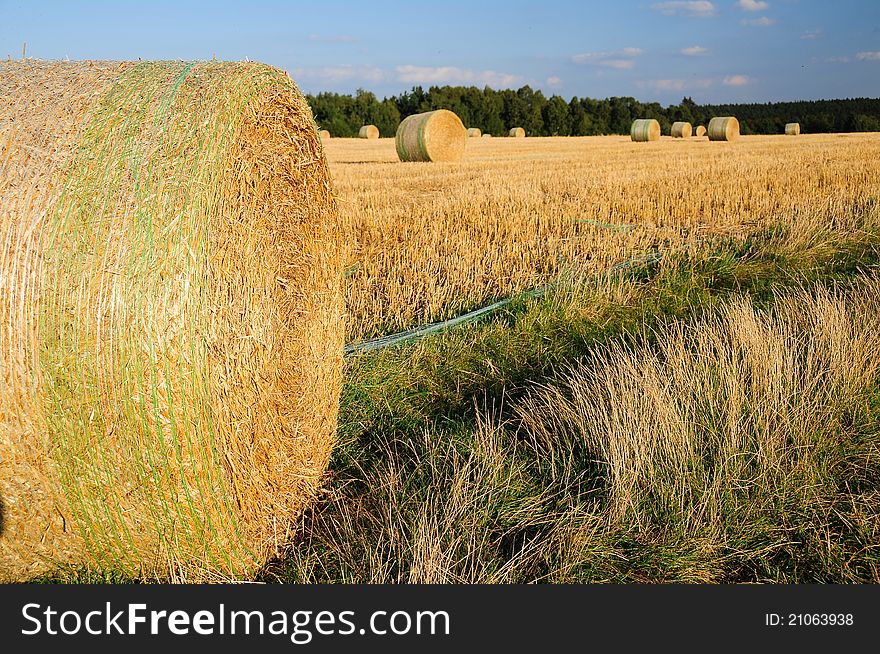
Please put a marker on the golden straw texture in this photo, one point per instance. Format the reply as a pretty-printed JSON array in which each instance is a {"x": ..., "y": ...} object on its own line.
[
  {"x": 681, "y": 130},
  {"x": 170, "y": 294},
  {"x": 723, "y": 129},
  {"x": 645, "y": 129},
  {"x": 701, "y": 131},
  {"x": 431, "y": 136},
  {"x": 368, "y": 132},
  {"x": 793, "y": 129},
  {"x": 517, "y": 132}
]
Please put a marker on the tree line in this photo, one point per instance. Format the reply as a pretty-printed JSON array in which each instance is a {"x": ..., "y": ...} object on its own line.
[{"x": 495, "y": 112}]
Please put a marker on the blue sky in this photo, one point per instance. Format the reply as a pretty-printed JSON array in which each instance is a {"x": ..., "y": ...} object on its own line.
[{"x": 712, "y": 50}]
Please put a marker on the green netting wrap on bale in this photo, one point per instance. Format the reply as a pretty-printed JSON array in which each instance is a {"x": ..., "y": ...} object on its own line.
[
  {"x": 431, "y": 136},
  {"x": 644, "y": 130},
  {"x": 723, "y": 129},
  {"x": 170, "y": 293},
  {"x": 681, "y": 130}
]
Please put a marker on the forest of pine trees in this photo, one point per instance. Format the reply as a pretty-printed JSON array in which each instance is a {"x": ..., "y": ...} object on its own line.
[{"x": 495, "y": 112}]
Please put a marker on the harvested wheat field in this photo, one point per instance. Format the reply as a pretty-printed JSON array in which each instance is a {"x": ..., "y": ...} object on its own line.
[
  {"x": 706, "y": 413},
  {"x": 429, "y": 241}
]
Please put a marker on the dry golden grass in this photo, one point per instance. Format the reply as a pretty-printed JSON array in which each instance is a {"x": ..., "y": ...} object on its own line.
[
  {"x": 708, "y": 429},
  {"x": 428, "y": 241},
  {"x": 737, "y": 446}
]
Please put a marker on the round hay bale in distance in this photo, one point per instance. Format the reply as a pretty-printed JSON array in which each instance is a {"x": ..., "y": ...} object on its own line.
[
  {"x": 723, "y": 129},
  {"x": 700, "y": 131},
  {"x": 644, "y": 130},
  {"x": 324, "y": 134},
  {"x": 474, "y": 132},
  {"x": 793, "y": 129},
  {"x": 170, "y": 257},
  {"x": 486, "y": 136},
  {"x": 681, "y": 130},
  {"x": 368, "y": 132},
  {"x": 517, "y": 132},
  {"x": 431, "y": 136}
]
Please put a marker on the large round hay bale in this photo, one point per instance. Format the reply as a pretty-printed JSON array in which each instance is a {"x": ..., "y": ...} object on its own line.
[
  {"x": 645, "y": 129},
  {"x": 324, "y": 134},
  {"x": 793, "y": 129},
  {"x": 170, "y": 298},
  {"x": 681, "y": 130},
  {"x": 368, "y": 132},
  {"x": 474, "y": 132},
  {"x": 517, "y": 132},
  {"x": 700, "y": 131},
  {"x": 723, "y": 129},
  {"x": 432, "y": 136}
]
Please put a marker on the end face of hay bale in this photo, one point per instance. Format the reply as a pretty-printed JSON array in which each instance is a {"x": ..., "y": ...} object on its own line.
[
  {"x": 700, "y": 131},
  {"x": 681, "y": 130},
  {"x": 431, "y": 136},
  {"x": 324, "y": 134},
  {"x": 368, "y": 132},
  {"x": 474, "y": 132},
  {"x": 176, "y": 416},
  {"x": 517, "y": 132},
  {"x": 644, "y": 130},
  {"x": 723, "y": 129},
  {"x": 793, "y": 129}
]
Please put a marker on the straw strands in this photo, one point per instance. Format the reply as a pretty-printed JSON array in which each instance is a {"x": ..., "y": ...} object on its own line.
[
  {"x": 723, "y": 129},
  {"x": 681, "y": 130},
  {"x": 368, "y": 132},
  {"x": 431, "y": 136},
  {"x": 644, "y": 130},
  {"x": 517, "y": 132},
  {"x": 793, "y": 129},
  {"x": 170, "y": 267}
]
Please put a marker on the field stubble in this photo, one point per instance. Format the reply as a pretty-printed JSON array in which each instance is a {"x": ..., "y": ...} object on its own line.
[{"x": 429, "y": 241}]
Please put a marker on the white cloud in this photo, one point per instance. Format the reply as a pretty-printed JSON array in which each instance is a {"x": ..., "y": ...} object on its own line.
[
  {"x": 838, "y": 60},
  {"x": 454, "y": 75},
  {"x": 763, "y": 21},
  {"x": 694, "y": 51},
  {"x": 811, "y": 35},
  {"x": 619, "y": 64},
  {"x": 619, "y": 59},
  {"x": 675, "y": 84},
  {"x": 338, "y": 73},
  {"x": 554, "y": 81},
  {"x": 868, "y": 56},
  {"x": 737, "y": 80},
  {"x": 753, "y": 5},
  {"x": 696, "y": 8}
]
